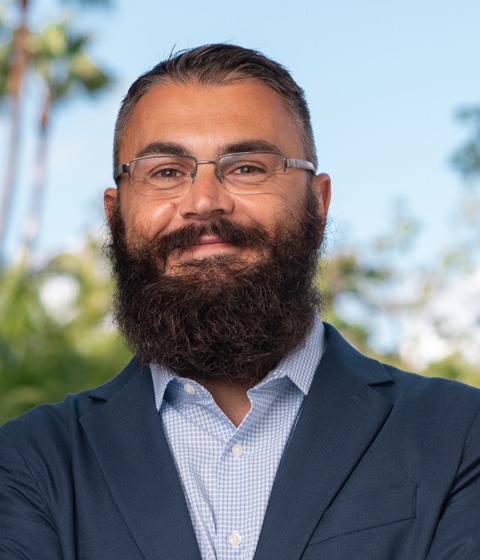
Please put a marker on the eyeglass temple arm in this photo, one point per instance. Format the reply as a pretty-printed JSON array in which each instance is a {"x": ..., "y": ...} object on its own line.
[
  {"x": 299, "y": 164},
  {"x": 120, "y": 169}
]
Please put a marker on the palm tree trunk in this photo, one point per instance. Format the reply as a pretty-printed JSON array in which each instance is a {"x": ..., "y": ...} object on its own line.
[
  {"x": 17, "y": 70},
  {"x": 32, "y": 225}
]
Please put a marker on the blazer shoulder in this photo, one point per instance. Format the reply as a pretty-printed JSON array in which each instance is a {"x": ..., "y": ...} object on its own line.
[
  {"x": 434, "y": 407},
  {"x": 436, "y": 389},
  {"x": 55, "y": 422},
  {"x": 417, "y": 395}
]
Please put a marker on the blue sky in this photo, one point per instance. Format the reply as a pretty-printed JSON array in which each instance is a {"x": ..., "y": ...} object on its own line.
[{"x": 383, "y": 79}]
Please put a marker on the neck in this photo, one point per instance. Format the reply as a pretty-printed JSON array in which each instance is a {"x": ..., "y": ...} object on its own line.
[{"x": 231, "y": 397}]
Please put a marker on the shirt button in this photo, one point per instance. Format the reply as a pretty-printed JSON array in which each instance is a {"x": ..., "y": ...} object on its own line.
[
  {"x": 189, "y": 389},
  {"x": 235, "y": 539},
  {"x": 237, "y": 451}
]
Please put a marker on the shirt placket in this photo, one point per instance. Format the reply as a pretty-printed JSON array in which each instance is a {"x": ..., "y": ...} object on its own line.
[{"x": 235, "y": 533}]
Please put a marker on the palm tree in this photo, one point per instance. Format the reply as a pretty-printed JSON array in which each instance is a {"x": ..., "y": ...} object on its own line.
[
  {"x": 59, "y": 59},
  {"x": 15, "y": 57},
  {"x": 14, "y": 65}
]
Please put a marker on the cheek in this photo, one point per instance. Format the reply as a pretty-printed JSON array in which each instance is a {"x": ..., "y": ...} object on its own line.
[
  {"x": 274, "y": 211},
  {"x": 146, "y": 218}
]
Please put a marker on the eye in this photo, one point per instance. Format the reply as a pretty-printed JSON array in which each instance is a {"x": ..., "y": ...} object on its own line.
[
  {"x": 166, "y": 173},
  {"x": 166, "y": 170},
  {"x": 247, "y": 169}
]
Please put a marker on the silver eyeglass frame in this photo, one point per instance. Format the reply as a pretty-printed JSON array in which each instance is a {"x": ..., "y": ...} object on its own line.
[{"x": 288, "y": 163}]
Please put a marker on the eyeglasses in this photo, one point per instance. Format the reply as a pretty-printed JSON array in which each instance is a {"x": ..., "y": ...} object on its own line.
[{"x": 165, "y": 176}]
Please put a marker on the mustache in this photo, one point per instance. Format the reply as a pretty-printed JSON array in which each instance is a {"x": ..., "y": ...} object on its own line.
[{"x": 229, "y": 232}]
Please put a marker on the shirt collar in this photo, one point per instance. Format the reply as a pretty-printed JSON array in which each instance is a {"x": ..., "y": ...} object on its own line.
[{"x": 299, "y": 365}]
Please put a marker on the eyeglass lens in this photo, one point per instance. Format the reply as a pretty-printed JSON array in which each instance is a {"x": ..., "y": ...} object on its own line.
[{"x": 164, "y": 176}]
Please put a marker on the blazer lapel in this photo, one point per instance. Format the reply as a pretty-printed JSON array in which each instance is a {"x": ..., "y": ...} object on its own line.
[
  {"x": 128, "y": 439},
  {"x": 340, "y": 416}
]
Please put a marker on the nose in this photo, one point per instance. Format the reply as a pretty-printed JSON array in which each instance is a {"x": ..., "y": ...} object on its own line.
[{"x": 207, "y": 197}]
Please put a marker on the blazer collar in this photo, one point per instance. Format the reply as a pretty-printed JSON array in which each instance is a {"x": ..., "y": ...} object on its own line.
[
  {"x": 341, "y": 415},
  {"x": 126, "y": 434}
]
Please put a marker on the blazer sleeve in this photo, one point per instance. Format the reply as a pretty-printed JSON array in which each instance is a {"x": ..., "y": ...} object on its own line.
[
  {"x": 458, "y": 533},
  {"x": 27, "y": 530}
]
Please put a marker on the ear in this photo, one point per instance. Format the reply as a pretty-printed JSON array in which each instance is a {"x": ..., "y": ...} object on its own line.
[
  {"x": 109, "y": 202},
  {"x": 321, "y": 189}
]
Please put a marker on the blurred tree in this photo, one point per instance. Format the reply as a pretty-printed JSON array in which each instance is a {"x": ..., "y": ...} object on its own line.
[
  {"x": 15, "y": 58},
  {"x": 15, "y": 62},
  {"x": 467, "y": 158},
  {"x": 426, "y": 320},
  {"x": 59, "y": 58},
  {"x": 56, "y": 333},
  {"x": 344, "y": 276},
  {"x": 466, "y": 161}
]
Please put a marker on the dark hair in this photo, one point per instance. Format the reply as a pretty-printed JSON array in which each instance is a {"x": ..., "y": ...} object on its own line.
[{"x": 220, "y": 64}]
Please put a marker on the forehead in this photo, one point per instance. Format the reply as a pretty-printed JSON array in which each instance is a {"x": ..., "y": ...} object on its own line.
[{"x": 206, "y": 119}]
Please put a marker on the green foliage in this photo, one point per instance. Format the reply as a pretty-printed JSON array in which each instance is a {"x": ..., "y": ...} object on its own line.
[
  {"x": 49, "y": 348},
  {"x": 455, "y": 367},
  {"x": 58, "y": 56},
  {"x": 345, "y": 276},
  {"x": 361, "y": 298}
]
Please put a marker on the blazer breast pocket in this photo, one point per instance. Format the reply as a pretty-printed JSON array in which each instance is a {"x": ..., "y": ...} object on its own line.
[{"x": 366, "y": 511}]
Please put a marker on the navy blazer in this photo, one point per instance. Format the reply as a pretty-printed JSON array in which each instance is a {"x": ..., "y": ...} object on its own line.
[{"x": 382, "y": 465}]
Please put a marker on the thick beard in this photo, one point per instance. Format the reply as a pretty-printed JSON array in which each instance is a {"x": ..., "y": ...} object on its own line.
[{"x": 218, "y": 317}]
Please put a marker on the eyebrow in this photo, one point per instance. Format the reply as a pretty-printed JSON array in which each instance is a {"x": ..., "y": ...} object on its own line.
[
  {"x": 168, "y": 148},
  {"x": 250, "y": 146},
  {"x": 175, "y": 149}
]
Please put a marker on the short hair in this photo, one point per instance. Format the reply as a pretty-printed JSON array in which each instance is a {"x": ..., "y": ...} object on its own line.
[{"x": 220, "y": 64}]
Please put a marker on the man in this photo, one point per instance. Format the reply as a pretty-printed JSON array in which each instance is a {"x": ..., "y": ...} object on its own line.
[{"x": 244, "y": 427}]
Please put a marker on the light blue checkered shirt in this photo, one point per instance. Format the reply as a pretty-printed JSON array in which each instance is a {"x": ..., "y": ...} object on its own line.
[{"x": 227, "y": 473}]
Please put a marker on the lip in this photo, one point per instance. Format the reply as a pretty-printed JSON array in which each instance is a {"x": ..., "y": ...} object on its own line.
[
  {"x": 207, "y": 245},
  {"x": 210, "y": 240}
]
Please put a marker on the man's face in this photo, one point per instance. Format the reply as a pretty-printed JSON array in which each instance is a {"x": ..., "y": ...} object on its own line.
[
  {"x": 214, "y": 284},
  {"x": 207, "y": 122}
]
